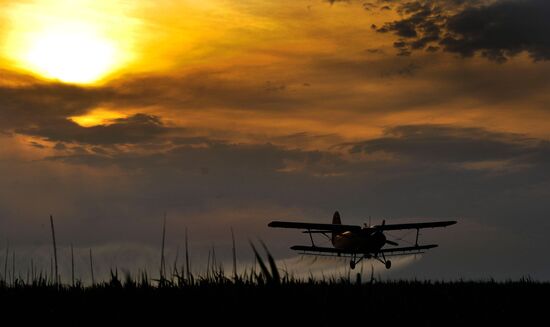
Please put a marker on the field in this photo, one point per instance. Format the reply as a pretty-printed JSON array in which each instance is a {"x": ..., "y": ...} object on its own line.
[
  {"x": 261, "y": 295},
  {"x": 310, "y": 303},
  {"x": 264, "y": 297}
]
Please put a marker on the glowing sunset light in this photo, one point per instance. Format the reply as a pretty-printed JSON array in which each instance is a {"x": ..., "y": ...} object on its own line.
[
  {"x": 74, "y": 42},
  {"x": 96, "y": 117},
  {"x": 71, "y": 52}
]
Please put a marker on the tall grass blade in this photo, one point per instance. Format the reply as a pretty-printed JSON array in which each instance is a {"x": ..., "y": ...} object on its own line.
[
  {"x": 13, "y": 268},
  {"x": 214, "y": 262},
  {"x": 92, "y": 267},
  {"x": 33, "y": 277},
  {"x": 72, "y": 265},
  {"x": 162, "y": 263},
  {"x": 274, "y": 270},
  {"x": 234, "y": 252},
  {"x": 51, "y": 270},
  {"x": 187, "y": 265},
  {"x": 6, "y": 262},
  {"x": 54, "y": 251},
  {"x": 260, "y": 261},
  {"x": 175, "y": 270},
  {"x": 208, "y": 265}
]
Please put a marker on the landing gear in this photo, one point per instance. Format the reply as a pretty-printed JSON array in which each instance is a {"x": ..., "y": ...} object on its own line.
[
  {"x": 383, "y": 260},
  {"x": 354, "y": 261}
]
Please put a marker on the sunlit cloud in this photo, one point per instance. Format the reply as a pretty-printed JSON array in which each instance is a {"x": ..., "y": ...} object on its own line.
[{"x": 97, "y": 117}]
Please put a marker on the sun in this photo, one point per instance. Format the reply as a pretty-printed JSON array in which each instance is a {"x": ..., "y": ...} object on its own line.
[
  {"x": 73, "y": 41},
  {"x": 70, "y": 52}
]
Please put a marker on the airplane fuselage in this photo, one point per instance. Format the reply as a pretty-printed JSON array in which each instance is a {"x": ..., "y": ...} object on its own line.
[{"x": 362, "y": 241}]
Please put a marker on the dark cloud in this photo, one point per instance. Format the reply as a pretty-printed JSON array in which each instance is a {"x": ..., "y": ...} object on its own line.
[
  {"x": 26, "y": 100},
  {"x": 497, "y": 30},
  {"x": 37, "y": 145},
  {"x": 59, "y": 147},
  {"x": 139, "y": 128},
  {"x": 38, "y": 102},
  {"x": 451, "y": 144},
  {"x": 403, "y": 28},
  {"x": 202, "y": 181},
  {"x": 430, "y": 174},
  {"x": 221, "y": 159},
  {"x": 304, "y": 140},
  {"x": 501, "y": 30},
  {"x": 205, "y": 89},
  {"x": 336, "y": 1},
  {"x": 421, "y": 24},
  {"x": 412, "y": 147},
  {"x": 42, "y": 109},
  {"x": 432, "y": 84}
]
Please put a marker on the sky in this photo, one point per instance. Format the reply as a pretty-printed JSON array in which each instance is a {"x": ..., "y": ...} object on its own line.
[{"x": 229, "y": 114}]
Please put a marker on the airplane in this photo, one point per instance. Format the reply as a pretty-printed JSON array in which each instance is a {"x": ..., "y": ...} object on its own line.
[{"x": 359, "y": 242}]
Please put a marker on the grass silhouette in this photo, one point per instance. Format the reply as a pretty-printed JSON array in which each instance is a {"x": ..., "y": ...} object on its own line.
[
  {"x": 268, "y": 296},
  {"x": 264, "y": 296}
]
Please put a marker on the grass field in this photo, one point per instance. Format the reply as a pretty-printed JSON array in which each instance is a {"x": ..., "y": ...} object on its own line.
[
  {"x": 312, "y": 303},
  {"x": 267, "y": 297}
]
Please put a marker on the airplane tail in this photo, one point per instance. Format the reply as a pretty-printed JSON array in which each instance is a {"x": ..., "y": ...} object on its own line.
[{"x": 335, "y": 221}]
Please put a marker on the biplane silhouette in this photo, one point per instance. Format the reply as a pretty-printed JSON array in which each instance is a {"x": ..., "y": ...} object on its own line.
[{"x": 358, "y": 243}]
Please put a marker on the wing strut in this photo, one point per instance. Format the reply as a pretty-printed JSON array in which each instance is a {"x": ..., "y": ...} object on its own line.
[{"x": 311, "y": 237}]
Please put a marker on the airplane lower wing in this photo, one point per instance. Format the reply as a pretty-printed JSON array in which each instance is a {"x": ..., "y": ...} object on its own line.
[
  {"x": 408, "y": 249},
  {"x": 334, "y": 251},
  {"x": 306, "y": 248}
]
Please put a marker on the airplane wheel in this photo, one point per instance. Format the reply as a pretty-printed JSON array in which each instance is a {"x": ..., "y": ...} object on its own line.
[
  {"x": 352, "y": 264},
  {"x": 388, "y": 264}
]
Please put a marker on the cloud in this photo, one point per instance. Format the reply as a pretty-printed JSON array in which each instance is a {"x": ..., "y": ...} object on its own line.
[
  {"x": 42, "y": 109},
  {"x": 497, "y": 30},
  {"x": 27, "y": 101},
  {"x": 138, "y": 128},
  {"x": 210, "y": 159},
  {"x": 201, "y": 103},
  {"x": 452, "y": 144},
  {"x": 209, "y": 185},
  {"x": 501, "y": 30},
  {"x": 412, "y": 148},
  {"x": 205, "y": 88}
]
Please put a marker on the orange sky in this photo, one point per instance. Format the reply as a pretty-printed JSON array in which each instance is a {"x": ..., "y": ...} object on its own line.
[{"x": 305, "y": 66}]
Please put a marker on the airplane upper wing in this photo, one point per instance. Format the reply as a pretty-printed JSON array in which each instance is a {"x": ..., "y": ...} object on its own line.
[
  {"x": 414, "y": 225},
  {"x": 310, "y": 226}
]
